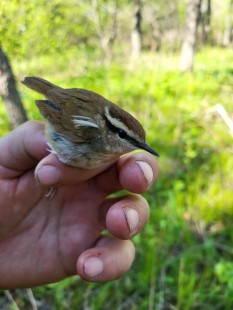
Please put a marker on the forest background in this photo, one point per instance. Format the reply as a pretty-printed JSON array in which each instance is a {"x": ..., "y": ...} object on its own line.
[{"x": 169, "y": 63}]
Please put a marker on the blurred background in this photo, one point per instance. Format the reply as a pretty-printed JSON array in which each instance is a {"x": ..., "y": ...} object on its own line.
[{"x": 170, "y": 64}]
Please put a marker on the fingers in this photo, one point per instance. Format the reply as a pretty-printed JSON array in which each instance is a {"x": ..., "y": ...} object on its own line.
[
  {"x": 108, "y": 260},
  {"x": 135, "y": 172},
  {"x": 112, "y": 257},
  {"x": 138, "y": 172},
  {"x": 124, "y": 217},
  {"x": 23, "y": 147},
  {"x": 51, "y": 172}
]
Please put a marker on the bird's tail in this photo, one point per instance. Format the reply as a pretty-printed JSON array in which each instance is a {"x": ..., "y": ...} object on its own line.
[{"x": 39, "y": 85}]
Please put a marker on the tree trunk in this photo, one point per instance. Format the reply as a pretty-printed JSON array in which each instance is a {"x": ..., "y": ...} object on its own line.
[
  {"x": 106, "y": 35},
  {"x": 136, "y": 35},
  {"x": 9, "y": 93},
  {"x": 227, "y": 36},
  {"x": 188, "y": 47},
  {"x": 206, "y": 11}
]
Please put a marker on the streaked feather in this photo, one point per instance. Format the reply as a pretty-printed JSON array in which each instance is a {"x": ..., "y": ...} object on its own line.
[{"x": 83, "y": 127}]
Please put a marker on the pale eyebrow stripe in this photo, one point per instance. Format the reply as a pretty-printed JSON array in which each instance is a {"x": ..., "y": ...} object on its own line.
[{"x": 117, "y": 123}]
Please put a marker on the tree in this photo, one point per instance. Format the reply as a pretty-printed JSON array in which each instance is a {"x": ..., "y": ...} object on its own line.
[
  {"x": 106, "y": 32},
  {"x": 189, "y": 43},
  {"x": 9, "y": 93},
  {"x": 206, "y": 9},
  {"x": 136, "y": 35},
  {"x": 227, "y": 36}
]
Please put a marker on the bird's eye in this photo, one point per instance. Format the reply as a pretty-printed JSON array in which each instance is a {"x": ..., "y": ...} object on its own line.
[{"x": 122, "y": 134}]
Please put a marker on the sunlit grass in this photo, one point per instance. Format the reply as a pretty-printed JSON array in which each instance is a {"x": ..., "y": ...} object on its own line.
[{"x": 183, "y": 257}]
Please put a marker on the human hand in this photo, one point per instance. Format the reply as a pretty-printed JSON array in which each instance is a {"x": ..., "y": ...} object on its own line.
[{"x": 42, "y": 240}]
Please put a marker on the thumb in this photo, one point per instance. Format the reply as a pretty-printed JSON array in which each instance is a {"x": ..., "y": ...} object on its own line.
[{"x": 22, "y": 148}]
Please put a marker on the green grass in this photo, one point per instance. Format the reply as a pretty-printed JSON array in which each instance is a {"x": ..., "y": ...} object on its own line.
[{"x": 184, "y": 255}]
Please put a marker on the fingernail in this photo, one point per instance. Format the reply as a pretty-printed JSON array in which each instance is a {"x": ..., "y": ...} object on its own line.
[
  {"x": 132, "y": 218},
  {"x": 147, "y": 171},
  {"x": 93, "y": 266},
  {"x": 48, "y": 175}
]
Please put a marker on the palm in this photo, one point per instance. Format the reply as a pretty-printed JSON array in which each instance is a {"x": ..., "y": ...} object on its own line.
[
  {"x": 43, "y": 240},
  {"x": 51, "y": 234}
]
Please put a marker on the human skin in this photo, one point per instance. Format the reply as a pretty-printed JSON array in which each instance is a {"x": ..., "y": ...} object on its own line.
[{"x": 44, "y": 240}]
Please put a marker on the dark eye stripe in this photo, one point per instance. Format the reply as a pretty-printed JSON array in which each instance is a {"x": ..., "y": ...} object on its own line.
[
  {"x": 116, "y": 130},
  {"x": 122, "y": 134},
  {"x": 110, "y": 126}
]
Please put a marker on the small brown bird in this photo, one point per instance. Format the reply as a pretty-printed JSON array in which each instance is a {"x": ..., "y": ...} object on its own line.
[{"x": 83, "y": 128}]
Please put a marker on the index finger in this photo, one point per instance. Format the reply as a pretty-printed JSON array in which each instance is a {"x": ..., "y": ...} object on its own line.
[{"x": 135, "y": 172}]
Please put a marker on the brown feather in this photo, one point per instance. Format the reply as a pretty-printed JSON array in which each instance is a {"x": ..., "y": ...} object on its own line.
[
  {"x": 128, "y": 119},
  {"x": 77, "y": 125},
  {"x": 39, "y": 85}
]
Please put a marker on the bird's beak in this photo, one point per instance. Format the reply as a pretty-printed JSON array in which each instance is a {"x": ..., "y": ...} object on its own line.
[{"x": 146, "y": 147}]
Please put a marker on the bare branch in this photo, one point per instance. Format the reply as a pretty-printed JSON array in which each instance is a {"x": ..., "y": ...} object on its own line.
[{"x": 11, "y": 299}]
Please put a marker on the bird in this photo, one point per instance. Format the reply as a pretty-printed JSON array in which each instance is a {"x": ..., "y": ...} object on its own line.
[{"x": 83, "y": 128}]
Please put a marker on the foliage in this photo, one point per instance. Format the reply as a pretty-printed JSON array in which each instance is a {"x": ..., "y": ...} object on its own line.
[
  {"x": 53, "y": 21},
  {"x": 184, "y": 256},
  {"x": 48, "y": 27}
]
